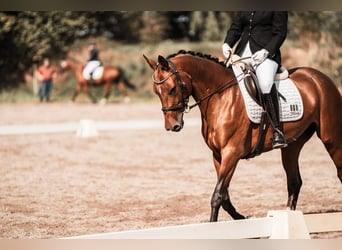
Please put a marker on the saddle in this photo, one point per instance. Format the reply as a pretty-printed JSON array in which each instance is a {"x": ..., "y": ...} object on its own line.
[
  {"x": 290, "y": 103},
  {"x": 251, "y": 82},
  {"x": 93, "y": 70}
]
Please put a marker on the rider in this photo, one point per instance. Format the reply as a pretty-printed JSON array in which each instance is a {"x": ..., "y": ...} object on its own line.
[
  {"x": 261, "y": 34},
  {"x": 93, "y": 61}
]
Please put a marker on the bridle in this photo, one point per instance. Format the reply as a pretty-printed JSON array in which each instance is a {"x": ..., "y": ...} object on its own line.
[{"x": 184, "y": 107}]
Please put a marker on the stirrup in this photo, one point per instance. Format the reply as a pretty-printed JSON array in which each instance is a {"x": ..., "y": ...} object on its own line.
[{"x": 278, "y": 140}]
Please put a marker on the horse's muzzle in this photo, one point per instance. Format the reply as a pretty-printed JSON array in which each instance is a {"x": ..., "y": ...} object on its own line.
[{"x": 175, "y": 126}]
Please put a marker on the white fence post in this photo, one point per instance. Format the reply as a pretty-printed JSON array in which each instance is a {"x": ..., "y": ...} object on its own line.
[
  {"x": 87, "y": 129},
  {"x": 288, "y": 224}
]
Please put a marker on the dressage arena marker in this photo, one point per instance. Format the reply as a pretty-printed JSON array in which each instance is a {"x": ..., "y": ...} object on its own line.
[
  {"x": 87, "y": 129},
  {"x": 279, "y": 224}
]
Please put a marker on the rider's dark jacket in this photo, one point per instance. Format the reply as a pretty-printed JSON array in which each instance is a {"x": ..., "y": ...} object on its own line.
[
  {"x": 94, "y": 55},
  {"x": 262, "y": 29}
]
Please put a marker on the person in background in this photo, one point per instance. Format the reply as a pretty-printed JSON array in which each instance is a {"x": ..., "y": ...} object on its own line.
[
  {"x": 46, "y": 74},
  {"x": 93, "y": 61},
  {"x": 260, "y": 35}
]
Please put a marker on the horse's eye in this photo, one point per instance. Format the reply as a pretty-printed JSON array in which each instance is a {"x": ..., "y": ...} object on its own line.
[{"x": 172, "y": 90}]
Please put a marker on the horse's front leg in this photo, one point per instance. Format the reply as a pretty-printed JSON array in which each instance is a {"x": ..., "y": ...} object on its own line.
[
  {"x": 76, "y": 92},
  {"x": 225, "y": 168},
  {"x": 87, "y": 90}
]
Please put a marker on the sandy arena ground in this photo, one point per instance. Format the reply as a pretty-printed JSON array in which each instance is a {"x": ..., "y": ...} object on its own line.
[{"x": 59, "y": 185}]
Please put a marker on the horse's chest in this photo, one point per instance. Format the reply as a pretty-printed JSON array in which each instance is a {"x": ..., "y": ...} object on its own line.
[{"x": 215, "y": 137}]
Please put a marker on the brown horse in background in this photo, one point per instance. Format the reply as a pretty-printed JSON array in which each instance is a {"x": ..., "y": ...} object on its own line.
[
  {"x": 226, "y": 128},
  {"x": 111, "y": 75}
]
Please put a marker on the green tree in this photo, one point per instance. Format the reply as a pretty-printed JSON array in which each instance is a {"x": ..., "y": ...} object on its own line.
[
  {"x": 224, "y": 21},
  {"x": 154, "y": 26},
  {"x": 196, "y": 25},
  {"x": 317, "y": 24},
  {"x": 211, "y": 28},
  {"x": 29, "y": 36}
]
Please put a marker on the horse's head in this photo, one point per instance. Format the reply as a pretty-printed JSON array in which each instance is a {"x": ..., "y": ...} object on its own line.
[{"x": 173, "y": 86}]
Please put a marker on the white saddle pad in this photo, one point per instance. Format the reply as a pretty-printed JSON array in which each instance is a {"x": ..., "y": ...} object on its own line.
[
  {"x": 93, "y": 66},
  {"x": 290, "y": 107}
]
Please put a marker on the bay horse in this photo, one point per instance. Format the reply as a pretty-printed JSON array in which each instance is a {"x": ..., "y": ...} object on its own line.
[
  {"x": 226, "y": 128},
  {"x": 111, "y": 75}
]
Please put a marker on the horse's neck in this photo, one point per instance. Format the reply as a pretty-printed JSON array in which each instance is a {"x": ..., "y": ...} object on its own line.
[
  {"x": 207, "y": 77},
  {"x": 211, "y": 82},
  {"x": 74, "y": 66}
]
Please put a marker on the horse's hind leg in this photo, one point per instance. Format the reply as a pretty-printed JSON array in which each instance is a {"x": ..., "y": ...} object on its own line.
[
  {"x": 290, "y": 156},
  {"x": 76, "y": 93},
  {"x": 330, "y": 133},
  {"x": 335, "y": 151},
  {"x": 330, "y": 125},
  {"x": 107, "y": 90},
  {"x": 121, "y": 87},
  {"x": 336, "y": 155}
]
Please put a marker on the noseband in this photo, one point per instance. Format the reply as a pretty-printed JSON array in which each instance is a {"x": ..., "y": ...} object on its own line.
[{"x": 183, "y": 106}]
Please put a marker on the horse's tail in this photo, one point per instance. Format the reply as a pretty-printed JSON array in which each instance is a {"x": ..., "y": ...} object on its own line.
[{"x": 125, "y": 80}]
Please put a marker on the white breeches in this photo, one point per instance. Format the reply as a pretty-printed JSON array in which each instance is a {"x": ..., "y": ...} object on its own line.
[
  {"x": 89, "y": 68},
  {"x": 265, "y": 71}
]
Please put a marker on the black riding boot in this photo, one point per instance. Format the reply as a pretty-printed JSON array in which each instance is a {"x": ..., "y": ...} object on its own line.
[
  {"x": 91, "y": 79},
  {"x": 272, "y": 108}
]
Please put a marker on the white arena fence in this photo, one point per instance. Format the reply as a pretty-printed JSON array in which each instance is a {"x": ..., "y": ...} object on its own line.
[
  {"x": 87, "y": 125},
  {"x": 280, "y": 224}
]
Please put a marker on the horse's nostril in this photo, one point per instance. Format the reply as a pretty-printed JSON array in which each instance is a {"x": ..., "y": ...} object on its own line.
[{"x": 176, "y": 127}]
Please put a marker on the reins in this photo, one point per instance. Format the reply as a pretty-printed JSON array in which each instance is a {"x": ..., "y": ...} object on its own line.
[{"x": 221, "y": 88}]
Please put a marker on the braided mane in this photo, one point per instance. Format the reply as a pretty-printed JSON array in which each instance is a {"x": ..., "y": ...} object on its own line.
[{"x": 198, "y": 54}]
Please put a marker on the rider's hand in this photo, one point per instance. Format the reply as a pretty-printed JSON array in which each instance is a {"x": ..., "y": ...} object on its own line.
[
  {"x": 260, "y": 56},
  {"x": 226, "y": 50}
]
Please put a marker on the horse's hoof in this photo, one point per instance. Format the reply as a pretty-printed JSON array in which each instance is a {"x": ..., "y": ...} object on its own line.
[{"x": 103, "y": 101}]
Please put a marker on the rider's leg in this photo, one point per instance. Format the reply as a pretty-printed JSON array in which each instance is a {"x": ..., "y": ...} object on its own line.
[
  {"x": 89, "y": 71},
  {"x": 91, "y": 79},
  {"x": 265, "y": 73}
]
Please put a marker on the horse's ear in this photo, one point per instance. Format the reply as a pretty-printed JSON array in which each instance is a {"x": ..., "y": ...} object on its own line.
[
  {"x": 150, "y": 62},
  {"x": 163, "y": 62}
]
